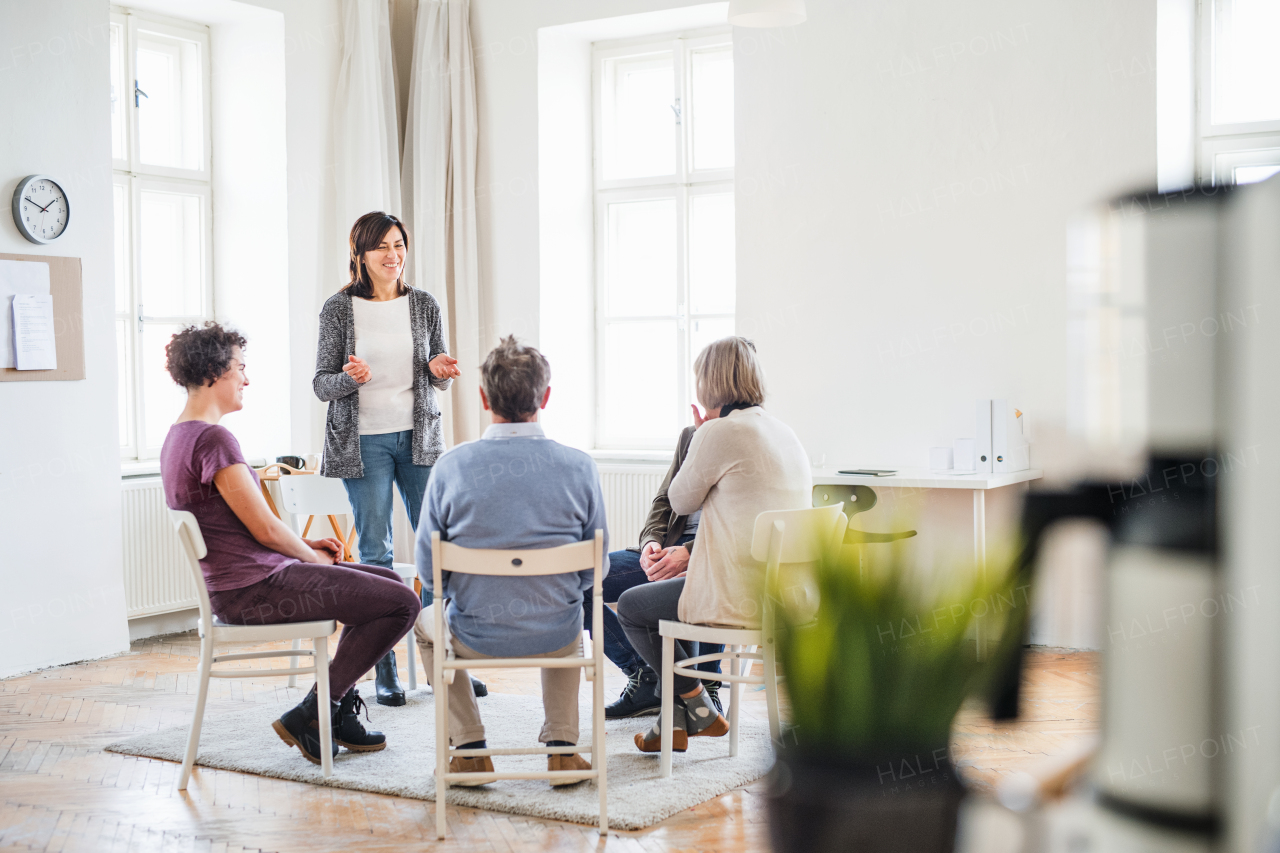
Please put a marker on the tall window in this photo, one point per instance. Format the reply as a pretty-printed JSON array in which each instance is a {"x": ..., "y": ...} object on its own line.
[
  {"x": 664, "y": 229},
  {"x": 1240, "y": 91},
  {"x": 163, "y": 220}
]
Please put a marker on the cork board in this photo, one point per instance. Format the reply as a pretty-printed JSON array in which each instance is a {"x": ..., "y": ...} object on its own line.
[{"x": 68, "y": 321}]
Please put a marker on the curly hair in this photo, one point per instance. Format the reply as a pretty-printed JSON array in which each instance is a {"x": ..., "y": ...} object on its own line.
[{"x": 199, "y": 355}]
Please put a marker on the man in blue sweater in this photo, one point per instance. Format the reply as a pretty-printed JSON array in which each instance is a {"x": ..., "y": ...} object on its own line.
[{"x": 514, "y": 488}]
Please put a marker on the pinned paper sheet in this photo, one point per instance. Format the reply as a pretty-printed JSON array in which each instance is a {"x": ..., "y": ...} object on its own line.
[
  {"x": 18, "y": 278},
  {"x": 34, "y": 347}
]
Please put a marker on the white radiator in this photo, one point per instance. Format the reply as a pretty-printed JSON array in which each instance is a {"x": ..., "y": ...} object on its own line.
[
  {"x": 628, "y": 494},
  {"x": 156, "y": 578}
]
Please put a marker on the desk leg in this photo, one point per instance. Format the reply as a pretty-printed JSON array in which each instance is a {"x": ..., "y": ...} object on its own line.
[
  {"x": 270, "y": 503},
  {"x": 980, "y": 552}
]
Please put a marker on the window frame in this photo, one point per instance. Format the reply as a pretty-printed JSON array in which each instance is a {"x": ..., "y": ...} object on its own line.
[
  {"x": 1224, "y": 146},
  {"x": 682, "y": 185},
  {"x": 135, "y": 178}
]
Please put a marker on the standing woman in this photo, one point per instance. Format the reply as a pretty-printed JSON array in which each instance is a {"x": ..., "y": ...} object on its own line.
[{"x": 381, "y": 358}]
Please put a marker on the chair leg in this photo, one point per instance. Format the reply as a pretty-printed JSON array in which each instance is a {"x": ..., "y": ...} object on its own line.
[
  {"x": 441, "y": 699},
  {"x": 771, "y": 689},
  {"x": 734, "y": 690},
  {"x": 599, "y": 757},
  {"x": 409, "y": 655},
  {"x": 668, "y": 702},
  {"x": 193, "y": 738},
  {"x": 293, "y": 662},
  {"x": 321, "y": 645}
]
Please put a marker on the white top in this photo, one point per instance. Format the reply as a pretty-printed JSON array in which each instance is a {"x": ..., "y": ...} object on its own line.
[
  {"x": 923, "y": 478},
  {"x": 385, "y": 340},
  {"x": 738, "y": 466}
]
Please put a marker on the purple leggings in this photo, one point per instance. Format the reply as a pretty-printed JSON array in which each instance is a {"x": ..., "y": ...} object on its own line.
[{"x": 373, "y": 604}]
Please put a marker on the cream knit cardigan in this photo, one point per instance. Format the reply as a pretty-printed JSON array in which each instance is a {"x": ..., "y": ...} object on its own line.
[{"x": 738, "y": 466}]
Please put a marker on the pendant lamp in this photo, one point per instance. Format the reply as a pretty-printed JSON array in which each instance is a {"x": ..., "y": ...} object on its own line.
[{"x": 766, "y": 13}]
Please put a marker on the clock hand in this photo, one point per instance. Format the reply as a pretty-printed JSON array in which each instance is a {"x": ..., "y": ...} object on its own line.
[{"x": 37, "y": 204}]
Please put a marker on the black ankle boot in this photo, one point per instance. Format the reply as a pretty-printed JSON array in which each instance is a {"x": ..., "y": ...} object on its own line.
[
  {"x": 300, "y": 727},
  {"x": 388, "y": 681},
  {"x": 479, "y": 688},
  {"x": 349, "y": 731},
  {"x": 639, "y": 697}
]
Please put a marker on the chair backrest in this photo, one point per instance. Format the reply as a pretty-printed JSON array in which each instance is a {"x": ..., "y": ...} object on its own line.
[
  {"x": 192, "y": 540},
  {"x": 806, "y": 533},
  {"x": 562, "y": 559},
  {"x": 856, "y": 499},
  {"x": 311, "y": 494}
]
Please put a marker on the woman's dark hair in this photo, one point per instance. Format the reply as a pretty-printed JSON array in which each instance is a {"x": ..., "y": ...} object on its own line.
[
  {"x": 199, "y": 355},
  {"x": 366, "y": 234}
]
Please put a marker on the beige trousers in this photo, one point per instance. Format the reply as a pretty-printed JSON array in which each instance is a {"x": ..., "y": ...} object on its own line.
[{"x": 559, "y": 688}]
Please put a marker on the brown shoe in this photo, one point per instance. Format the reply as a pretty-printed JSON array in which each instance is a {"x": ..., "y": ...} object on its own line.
[
  {"x": 567, "y": 762},
  {"x": 651, "y": 741},
  {"x": 719, "y": 728},
  {"x": 482, "y": 764}
]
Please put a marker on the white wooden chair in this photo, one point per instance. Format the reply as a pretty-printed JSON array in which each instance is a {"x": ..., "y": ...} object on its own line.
[
  {"x": 778, "y": 538},
  {"x": 312, "y": 495},
  {"x": 575, "y": 557},
  {"x": 212, "y": 633}
]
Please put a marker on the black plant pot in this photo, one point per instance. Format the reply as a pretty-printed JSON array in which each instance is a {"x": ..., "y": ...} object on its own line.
[{"x": 900, "y": 800}]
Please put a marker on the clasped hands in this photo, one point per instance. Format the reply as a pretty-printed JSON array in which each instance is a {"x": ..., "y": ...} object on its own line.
[
  {"x": 328, "y": 550},
  {"x": 662, "y": 564},
  {"x": 442, "y": 367}
]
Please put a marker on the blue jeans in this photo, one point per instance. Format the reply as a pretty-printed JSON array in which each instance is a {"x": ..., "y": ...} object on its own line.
[
  {"x": 387, "y": 459},
  {"x": 624, "y": 573}
]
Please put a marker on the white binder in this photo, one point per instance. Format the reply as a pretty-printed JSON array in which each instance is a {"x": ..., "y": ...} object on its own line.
[
  {"x": 982, "y": 461},
  {"x": 1009, "y": 449}
]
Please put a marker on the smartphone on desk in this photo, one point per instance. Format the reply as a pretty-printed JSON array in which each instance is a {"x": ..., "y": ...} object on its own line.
[{"x": 869, "y": 472}]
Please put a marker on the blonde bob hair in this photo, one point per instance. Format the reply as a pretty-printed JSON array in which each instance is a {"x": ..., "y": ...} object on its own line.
[{"x": 727, "y": 371}]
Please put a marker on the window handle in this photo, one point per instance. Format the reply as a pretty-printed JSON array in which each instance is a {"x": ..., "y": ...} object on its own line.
[
  {"x": 137, "y": 92},
  {"x": 139, "y": 318},
  {"x": 675, "y": 108}
]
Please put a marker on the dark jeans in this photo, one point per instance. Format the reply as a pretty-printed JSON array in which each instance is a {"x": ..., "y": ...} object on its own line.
[
  {"x": 640, "y": 610},
  {"x": 625, "y": 573},
  {"x": 388, "y": 461},
  {"x": 374, "y": 606}
]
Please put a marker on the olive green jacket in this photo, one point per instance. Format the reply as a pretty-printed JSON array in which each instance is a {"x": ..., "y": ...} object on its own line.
[{"x": 663, "y": 525}]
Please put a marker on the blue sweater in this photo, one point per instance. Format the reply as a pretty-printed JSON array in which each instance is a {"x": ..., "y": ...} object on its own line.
[{"x": 512, "y": 489}]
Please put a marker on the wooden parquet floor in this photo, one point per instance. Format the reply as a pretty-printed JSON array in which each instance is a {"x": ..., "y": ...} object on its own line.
[{"x": 60, "y": 792}]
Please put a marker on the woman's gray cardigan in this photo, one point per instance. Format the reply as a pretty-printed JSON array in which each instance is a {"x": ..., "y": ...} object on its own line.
[{"x": 338, "y": 389}]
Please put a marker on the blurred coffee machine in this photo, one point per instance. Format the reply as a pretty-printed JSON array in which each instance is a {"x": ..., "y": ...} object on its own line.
[{"x": 1175, "y": 351}]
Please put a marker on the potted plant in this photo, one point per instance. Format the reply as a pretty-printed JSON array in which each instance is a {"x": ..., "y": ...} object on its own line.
[{"x": 875, "y": 677}]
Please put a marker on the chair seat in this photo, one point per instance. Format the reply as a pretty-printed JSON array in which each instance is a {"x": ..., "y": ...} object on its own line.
[
  {"x": 726, "y": 635},
  {"x": 270, "y": 633},
  {"x": 407, "y": 571}
]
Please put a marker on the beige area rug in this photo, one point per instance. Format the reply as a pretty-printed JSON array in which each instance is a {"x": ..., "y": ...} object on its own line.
[{"x": 638, "y": 796}]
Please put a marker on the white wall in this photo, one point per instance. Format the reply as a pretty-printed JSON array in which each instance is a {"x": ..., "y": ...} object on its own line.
[
  {"x": 905, "y": 176},
  {"x": 60, "y": 564}
]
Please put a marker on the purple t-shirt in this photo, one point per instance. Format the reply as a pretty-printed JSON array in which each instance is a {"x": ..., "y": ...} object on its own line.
[{"x": 193, "y": 452}]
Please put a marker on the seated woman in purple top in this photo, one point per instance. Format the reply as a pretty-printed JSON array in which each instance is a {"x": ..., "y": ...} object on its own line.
[{"x": 258, "y": 570}]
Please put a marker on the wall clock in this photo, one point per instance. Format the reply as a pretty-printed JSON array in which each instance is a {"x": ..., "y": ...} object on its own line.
[{"x": 40, "y": 209}]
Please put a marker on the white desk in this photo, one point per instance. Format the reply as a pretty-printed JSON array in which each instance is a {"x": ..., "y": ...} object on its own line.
[{"x": 923, "y": 478}]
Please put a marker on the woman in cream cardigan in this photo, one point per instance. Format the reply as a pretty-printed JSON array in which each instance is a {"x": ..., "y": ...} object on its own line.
[{"x": 742, "y": 462}]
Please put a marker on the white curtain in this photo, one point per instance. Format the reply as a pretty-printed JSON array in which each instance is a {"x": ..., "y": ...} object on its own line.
[
  {"x": 439, "y": 191},
  {"x": 366, "y": 135}
]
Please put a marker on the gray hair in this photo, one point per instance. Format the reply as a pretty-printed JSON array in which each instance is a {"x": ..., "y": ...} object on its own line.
[
  {"x": 514, "y": 378},
  {"x": 727, "y": 371}
]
